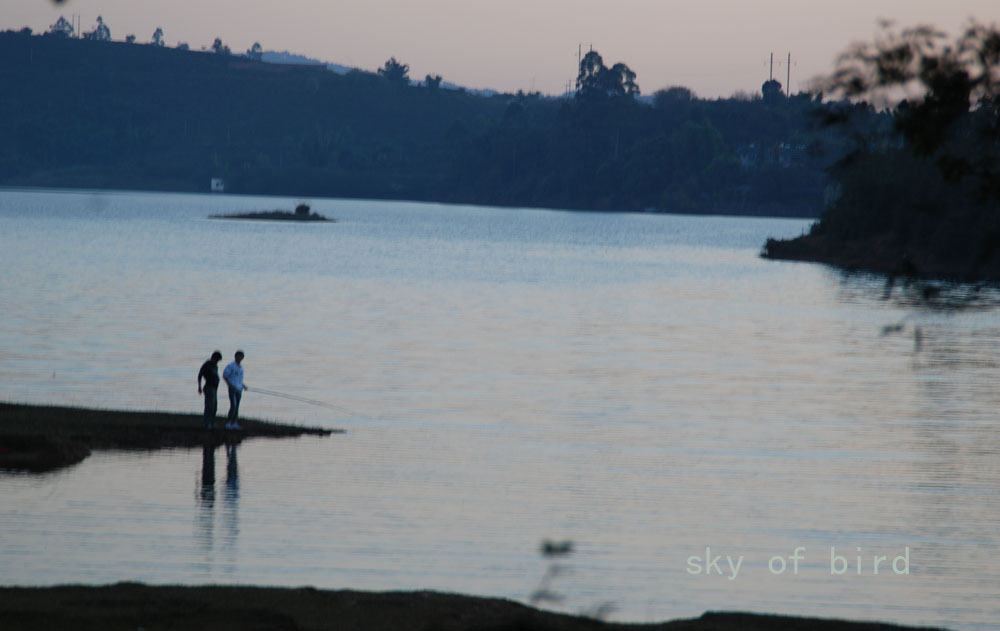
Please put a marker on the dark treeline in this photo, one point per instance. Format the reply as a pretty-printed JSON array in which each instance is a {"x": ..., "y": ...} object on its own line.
[
  {"x": 921, "y": 194},
  {"x": 92, "y": 114}
]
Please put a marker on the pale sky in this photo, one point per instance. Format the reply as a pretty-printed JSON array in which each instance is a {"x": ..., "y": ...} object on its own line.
[{"x": 714, "y": 47}]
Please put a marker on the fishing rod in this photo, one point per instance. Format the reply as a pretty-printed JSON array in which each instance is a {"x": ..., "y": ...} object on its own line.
[{"x": 293, "y": 397}]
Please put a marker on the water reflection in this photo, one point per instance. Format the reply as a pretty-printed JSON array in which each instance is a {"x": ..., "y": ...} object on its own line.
[
  {"x": 231, "y": 496},
  {"x": 643, "y": 395},
  {"x": 919, "y": 293},
  {"x": 943, "y": 325},
  {"x": 205, "y": 496},
  {"x": 205, "y": 500}
]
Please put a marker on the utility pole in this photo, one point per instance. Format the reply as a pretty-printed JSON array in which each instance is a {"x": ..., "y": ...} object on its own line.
[
  {"x": 788, "y": 80},
  {"x": 579, "y": 60}
]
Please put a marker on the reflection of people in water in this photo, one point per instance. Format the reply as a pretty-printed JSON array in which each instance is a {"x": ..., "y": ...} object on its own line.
[
  {"x": 232, "y": 473},
  {"x": 206, "y": 494},
  {"x": 207, "y": 491},
  {"x": 231, "y": 496}
]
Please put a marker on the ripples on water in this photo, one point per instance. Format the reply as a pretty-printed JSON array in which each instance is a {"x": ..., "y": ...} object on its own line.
[{"x": 644, "y": 386}]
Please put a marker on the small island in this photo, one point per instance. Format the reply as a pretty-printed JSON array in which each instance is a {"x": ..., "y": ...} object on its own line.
[
  {"x": 302, "y": 213},
  {"x": 36, "y": 438}
]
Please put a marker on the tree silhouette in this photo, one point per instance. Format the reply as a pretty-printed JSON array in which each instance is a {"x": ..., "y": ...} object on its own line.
[
  {"x": 219, "y": 47},
  {"x": 255, "y": 52},
  {"x": 432, "y": 82},
  {"x": 772, "y": 92},
  {"x": 620, "y": 81},
  {"x": 955, "y": 117},
  {"x": 101, "y": 32},
  {"x": 923, "y": 198},
  {"x": 62, "y": 28},
  {"x": 588, "y": 80},
  {"x": 596, "y": 81},
  {"x": 395, "y": 71},
  {"x": 158, "y": 37}
]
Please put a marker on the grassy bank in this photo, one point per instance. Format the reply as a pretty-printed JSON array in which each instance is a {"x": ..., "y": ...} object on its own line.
[
  {"x": 134, "y": 606},
  {"x": 43, "y": 438}
]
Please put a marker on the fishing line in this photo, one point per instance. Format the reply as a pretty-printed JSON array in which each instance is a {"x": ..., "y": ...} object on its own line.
[{"x": 293, "y": 397}]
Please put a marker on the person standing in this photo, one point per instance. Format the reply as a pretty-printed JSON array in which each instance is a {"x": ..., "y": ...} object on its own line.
[
  {"x": 210, "y": 373},
  {"x": 233, "y": 374}
]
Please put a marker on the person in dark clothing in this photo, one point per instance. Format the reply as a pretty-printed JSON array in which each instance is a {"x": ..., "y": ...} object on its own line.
[{"x": 210, "y": 373}]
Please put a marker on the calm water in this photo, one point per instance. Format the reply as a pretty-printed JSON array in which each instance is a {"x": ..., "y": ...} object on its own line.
[{"x": 644, "y": 386}]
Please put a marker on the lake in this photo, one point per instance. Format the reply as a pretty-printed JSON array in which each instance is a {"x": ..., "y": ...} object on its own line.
[{"x": 711, "y": 430}]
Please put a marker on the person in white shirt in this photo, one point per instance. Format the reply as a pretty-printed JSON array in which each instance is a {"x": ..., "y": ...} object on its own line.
[{"x": 233, "y": 376}]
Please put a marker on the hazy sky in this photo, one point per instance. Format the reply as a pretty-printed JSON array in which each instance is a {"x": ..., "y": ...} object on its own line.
[{"x": 714, "y": 47}]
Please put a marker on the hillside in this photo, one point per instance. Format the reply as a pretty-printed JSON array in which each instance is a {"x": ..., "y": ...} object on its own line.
[{"x": 115, "y": 115}]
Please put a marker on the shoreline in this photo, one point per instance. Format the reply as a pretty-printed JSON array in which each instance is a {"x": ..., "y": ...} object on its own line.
[
  {"x": 250, "y": 608},
  {"x": 878, "y": 257},
  {"x": 761, "y": 211},
  {"x": 42, "y": 438}
]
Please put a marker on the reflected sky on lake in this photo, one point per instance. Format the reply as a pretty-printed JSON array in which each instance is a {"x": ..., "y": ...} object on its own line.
[{"x": 643, "y": 385}]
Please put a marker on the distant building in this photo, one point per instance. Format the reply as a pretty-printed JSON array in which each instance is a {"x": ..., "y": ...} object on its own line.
[
  {"x": 218, "y": 185},
  {"x": 782, "y": 154}
]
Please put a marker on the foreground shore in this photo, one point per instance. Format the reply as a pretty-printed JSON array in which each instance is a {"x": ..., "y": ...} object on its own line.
[
  {"x": 40, "y": 438},
  {"x": 135, "y": 606}
]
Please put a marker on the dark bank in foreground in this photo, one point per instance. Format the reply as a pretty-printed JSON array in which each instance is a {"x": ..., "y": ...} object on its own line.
[
  {"x": 40, "y": 438},
  {"x": 137, "y": 606}
]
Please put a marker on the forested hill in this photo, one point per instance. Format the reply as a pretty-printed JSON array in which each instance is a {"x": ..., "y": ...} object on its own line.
[{"x": 92, "y": 114}]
